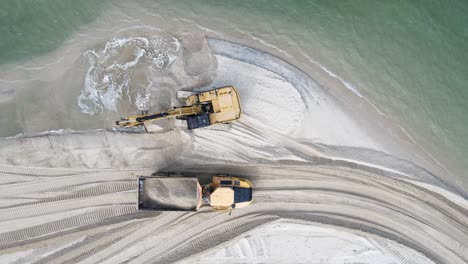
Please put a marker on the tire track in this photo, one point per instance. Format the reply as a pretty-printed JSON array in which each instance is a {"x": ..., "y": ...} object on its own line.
[
  {"x": 110, "y": 199},
  {"x": 134, "y": 238},
  {"x": 12, "y": 239},
  {"x": 390, "y": 209}
]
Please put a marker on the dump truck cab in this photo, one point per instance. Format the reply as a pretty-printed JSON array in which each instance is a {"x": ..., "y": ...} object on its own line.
[
  {"x": 163, "y": 193},
  {"x": 229, "y": 192}
]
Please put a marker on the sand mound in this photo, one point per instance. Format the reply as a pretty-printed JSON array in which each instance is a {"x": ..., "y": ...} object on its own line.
[{"x": 266, "y": 97}]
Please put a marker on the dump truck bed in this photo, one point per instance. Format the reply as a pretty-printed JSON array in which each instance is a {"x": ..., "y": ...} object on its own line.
[{"x": 169, "y": 193}]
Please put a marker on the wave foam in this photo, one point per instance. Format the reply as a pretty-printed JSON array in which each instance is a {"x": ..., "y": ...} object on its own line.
[{"x": 110, "y": 74}]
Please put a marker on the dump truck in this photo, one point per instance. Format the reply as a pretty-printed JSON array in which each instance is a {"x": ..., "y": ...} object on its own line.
[
  {"x": 181, "y": 193},
  {"x": 220, "y": 105}
]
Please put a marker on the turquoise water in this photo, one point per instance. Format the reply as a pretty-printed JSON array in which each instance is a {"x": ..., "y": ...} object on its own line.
[
  {"x": 410, "y": 58},
  {"x": 29, "y": 27}
]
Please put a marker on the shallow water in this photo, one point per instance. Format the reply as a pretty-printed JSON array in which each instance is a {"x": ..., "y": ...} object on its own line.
[{"x": 409, "y": 59}]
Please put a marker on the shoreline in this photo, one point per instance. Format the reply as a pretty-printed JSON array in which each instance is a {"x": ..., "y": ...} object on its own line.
[
  {"x": 98, "y": 31},
  {"x": 121, "y": 16},
  {"x": 311, "y": 94}
]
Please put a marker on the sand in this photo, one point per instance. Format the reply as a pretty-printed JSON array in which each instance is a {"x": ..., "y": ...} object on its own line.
[
  {"x": 329, "y": 186},
  {"x": 93, "y": 215},
  {"x": 285, "y": 241}
]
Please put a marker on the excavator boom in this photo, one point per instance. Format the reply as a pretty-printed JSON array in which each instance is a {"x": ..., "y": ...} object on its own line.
[{"x": 176, "y": 112}]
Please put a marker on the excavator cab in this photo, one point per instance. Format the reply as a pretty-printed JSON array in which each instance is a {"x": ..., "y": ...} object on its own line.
[{"x": 221, "y": 105}]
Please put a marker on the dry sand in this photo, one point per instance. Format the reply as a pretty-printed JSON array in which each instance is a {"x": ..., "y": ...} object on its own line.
[{"x": 329, "y": 186}]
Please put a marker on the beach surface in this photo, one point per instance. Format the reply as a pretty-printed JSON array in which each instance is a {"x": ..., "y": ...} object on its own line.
[{"x": 334, "y": 180}]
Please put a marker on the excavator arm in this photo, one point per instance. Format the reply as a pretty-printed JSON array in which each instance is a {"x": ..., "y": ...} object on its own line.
[{"x": 177, "y": 112}]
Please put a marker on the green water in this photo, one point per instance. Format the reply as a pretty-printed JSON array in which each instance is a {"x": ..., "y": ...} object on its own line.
[
  {"x": 410, "y": 58},
  {"x": 29, "y": 27}
]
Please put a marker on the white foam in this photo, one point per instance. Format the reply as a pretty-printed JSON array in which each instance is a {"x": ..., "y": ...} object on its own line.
[
  {"x": 109, "y": 75},
  {"x": 142, "y": 101}
]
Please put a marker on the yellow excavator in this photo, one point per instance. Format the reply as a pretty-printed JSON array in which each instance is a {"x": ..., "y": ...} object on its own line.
[{"x": 220, "y": 105}]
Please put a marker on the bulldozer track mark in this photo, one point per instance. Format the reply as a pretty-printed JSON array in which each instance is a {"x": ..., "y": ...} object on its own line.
[{"x": 433, "y": 224}]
